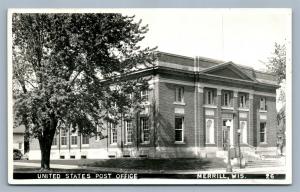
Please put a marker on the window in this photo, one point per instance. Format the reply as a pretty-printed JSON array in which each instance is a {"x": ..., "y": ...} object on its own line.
[
  {"x": 145, "y": 95},
  {"x": 98, "y": 133},
  {"x": 54, "y": 141},
  {"x": 145, "y": 131},
  {"x": 74, "y": 138},
  {"x": 128, "y": 128},
  {"x": 113, "y": 133},
  {"x": 179, "y": 129},
  {"x": 243, "y": 136},
  {"x": 210, "y": 133},
  {"x": 262, "y": 132},
  {"x": 243, "y": 101},
  {"x": 262, "y": 105},
  {"x": 209, "y": 97},
  {"x": 20, "y": 145},
  {"x": 63, "y": 137},
  {"x": 179, "y": 91},
  {"x": 85, "y": 140},
  {"x": 226, "y": 98}
]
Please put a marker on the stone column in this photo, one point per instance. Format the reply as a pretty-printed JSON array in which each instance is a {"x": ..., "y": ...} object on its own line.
[
  {"x": 219, "y": 119},
  {"x": 250, "y": 130},
  {"x": 235, "y": 118}
]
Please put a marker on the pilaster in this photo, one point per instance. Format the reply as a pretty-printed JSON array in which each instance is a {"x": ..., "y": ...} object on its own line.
[
  {"x": 235, "y": 118},
  {"x": 200, "y": 118},
  {"x": 251, "y": 120},
  {"x": 219, "y": 119}
]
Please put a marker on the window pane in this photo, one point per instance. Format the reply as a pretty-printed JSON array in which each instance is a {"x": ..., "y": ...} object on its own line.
[
  {"x": 63, "y": 135},
  {"x": 145, "y": 95},
  {"x": 128, "y": 125},
  {"x": 262, "y": 137},
  {"x": 179, "y": 129},
  {"x": 113, "y": 129},
  {"x": 209, "y": 131},
  {"x": 209, "y": 97},
  {"x": 178, "y": 135},
  {"x": 145, "y": 130},
  {"x": 243, "y": 127},
  {"x": 262, "y": 131},
  {"x": 20, "y": 145},
  {"x": 74, "y": 140},
  {"x": 63, "y": 141}
]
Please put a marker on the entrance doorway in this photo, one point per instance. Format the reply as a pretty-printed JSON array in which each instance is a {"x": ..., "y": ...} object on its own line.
[{"x": 227, "y": 133}]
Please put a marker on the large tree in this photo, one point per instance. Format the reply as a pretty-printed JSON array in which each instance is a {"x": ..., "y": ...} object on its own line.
[
  {"x": 276, "y": 65},
  {"x": 70, "y": 70}
]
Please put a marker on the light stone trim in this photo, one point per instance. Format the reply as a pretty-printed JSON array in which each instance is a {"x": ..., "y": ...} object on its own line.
[
  {"x": 219, "y": 92},
  {"x": 210, "y": 106},
  {"x": 179, "y": 110},
  {"x": 235, "y": 93},
  {"x": 250, "y": 91}
]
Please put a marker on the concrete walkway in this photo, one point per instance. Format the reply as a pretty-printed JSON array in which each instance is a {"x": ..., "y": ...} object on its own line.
[
  {"x": 54, "y": 166},
  {"x": 269, "y": 170}
]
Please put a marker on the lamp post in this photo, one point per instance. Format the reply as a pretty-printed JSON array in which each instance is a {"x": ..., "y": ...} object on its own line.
[
  {"x": 229, "y": 167},
  {"x": 239, "y": 145}
]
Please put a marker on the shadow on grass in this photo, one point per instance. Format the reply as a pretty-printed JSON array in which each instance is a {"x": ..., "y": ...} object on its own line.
[{"x": 160, "y": 164}]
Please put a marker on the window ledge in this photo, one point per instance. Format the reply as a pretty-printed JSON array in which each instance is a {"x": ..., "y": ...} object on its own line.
[
  {"x": 113, "y": 144},
  {"x": 179, "y": 142},
  {"x": 263, "y": 111},
  {"x": 210, "y": 106},
  {"x": 74, "y": 145},
  {"x": 55, "y": 146},
  {"x": 85, "y": 145},
  {"x": 179, "y": 103},
  {"x": 228, "y": 108},
  {"x": 145, "y": 143},
  {"x": 243, "y": 109},
  {"x": 210, "y": 143},
  {"x": 263, "y": 143},
  {"x": 129, "y": 143},
  {"x": 63, "y": 146}
]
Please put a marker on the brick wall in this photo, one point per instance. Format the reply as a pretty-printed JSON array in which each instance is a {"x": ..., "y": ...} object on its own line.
[
  {"x": 166, "y": 115},
  {"x": 271, "y": 122}
]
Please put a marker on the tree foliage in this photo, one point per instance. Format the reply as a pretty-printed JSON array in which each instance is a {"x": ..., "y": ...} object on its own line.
[
  {"x": 68, "y": 70},
  {"x": 277, "y": 62}
]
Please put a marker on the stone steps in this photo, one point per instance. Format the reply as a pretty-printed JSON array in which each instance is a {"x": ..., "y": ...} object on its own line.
[{"x": 264, "y": 163}]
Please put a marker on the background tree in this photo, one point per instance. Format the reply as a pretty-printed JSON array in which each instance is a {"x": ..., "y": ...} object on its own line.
[
  {"x": 276, "y": 65},
  {"x": 70, "y": 71}
]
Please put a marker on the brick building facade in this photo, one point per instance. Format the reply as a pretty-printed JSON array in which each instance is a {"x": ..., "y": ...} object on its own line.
[{"x": 196, "y": 108}]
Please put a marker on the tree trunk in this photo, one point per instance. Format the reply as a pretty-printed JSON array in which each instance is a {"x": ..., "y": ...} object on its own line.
[
  {"x": 45, "y": 154},
  {"x": 45, "y": 142}
]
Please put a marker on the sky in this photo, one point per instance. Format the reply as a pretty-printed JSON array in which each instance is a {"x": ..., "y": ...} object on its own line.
[{"x": 243, "y": 36}]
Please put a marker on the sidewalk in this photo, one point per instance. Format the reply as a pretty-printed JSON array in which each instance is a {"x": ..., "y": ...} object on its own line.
[{"x": 273, "y": 170}]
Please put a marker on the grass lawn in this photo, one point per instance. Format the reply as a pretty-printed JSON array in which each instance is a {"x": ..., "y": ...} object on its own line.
[
  {"x": 160, "y": 164},
  {"x": 146, "y": 164}
]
